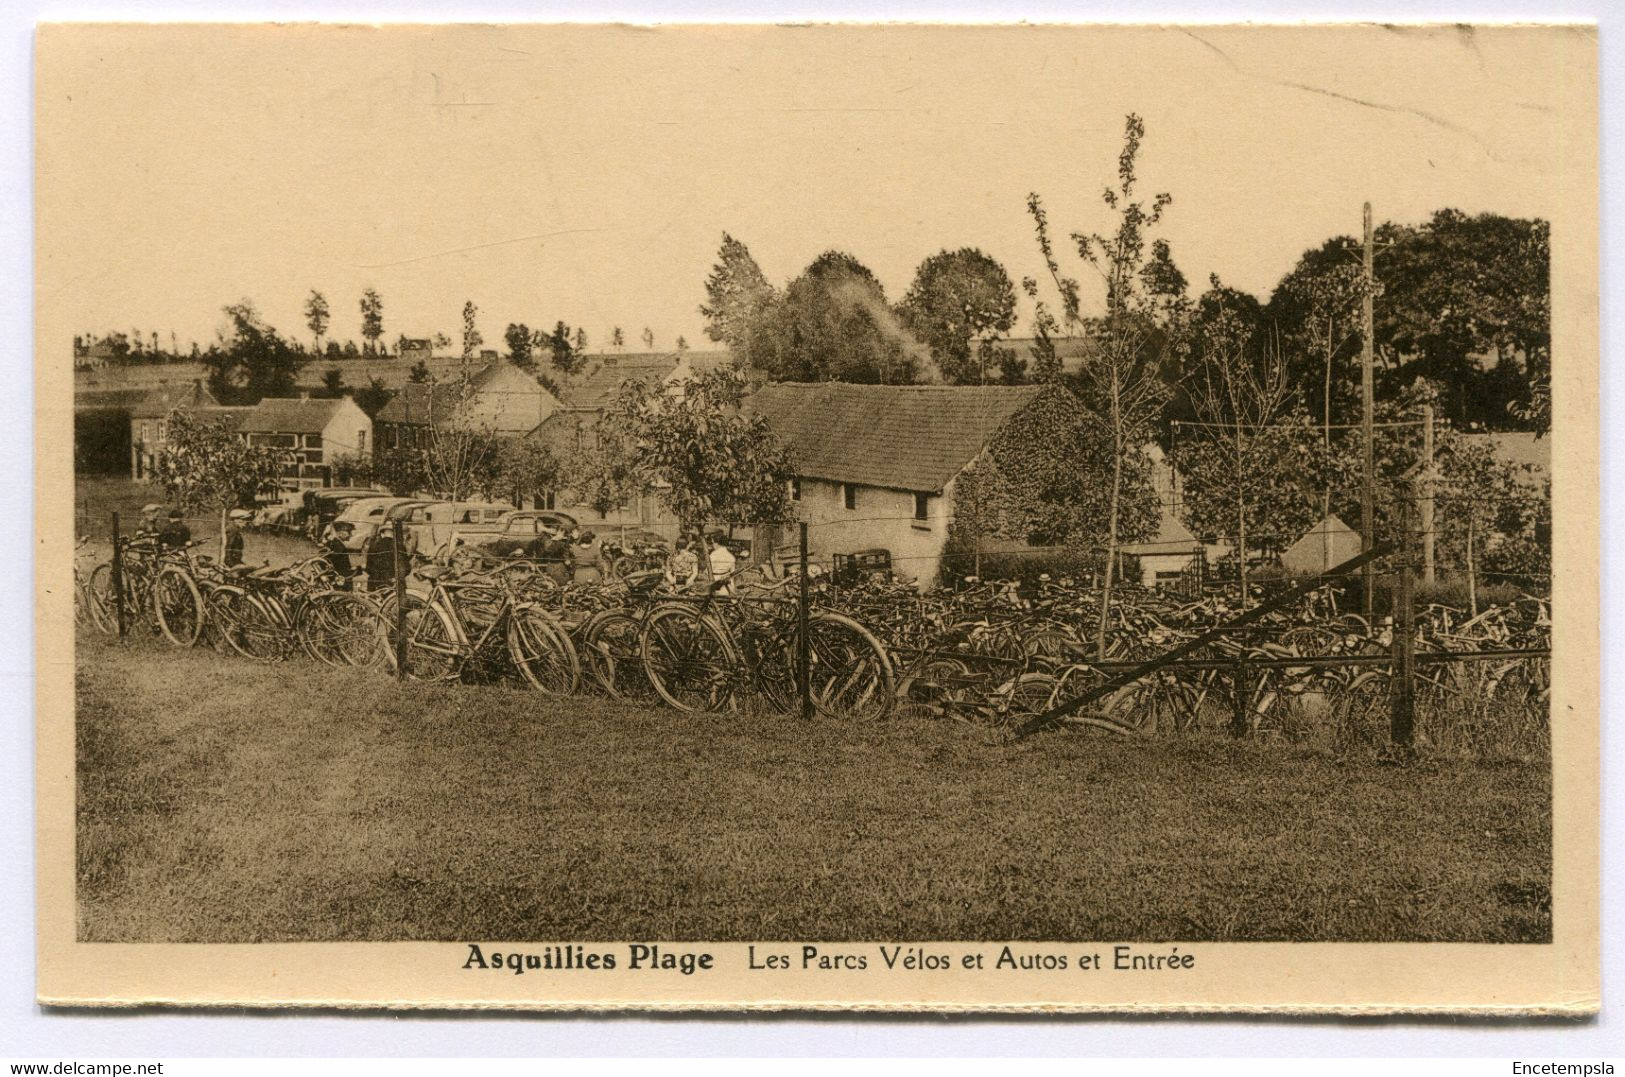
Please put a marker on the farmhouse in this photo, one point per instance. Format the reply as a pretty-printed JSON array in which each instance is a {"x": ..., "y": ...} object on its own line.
[
  {"x": 877, "y": 466},
  {"x": 316, "y": 432},
  {"x": 499, "y": 399},
  {"x": 128, "y": 424}
]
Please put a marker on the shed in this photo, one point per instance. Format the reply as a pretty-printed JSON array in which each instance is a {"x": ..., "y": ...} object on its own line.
[{"x": 1309, "y": 555}]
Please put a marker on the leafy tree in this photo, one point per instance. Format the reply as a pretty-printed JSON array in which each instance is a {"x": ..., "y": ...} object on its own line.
[
  {"x": 736, "y": 294},
  {"x": 526, "y": 466},
  {"x": 253, "y": 362},
  {"x": 617, "y": 339},
  {"x": 711, "y": 463},
  {"x": 1121, "y": 376},
  {"x": 419, "y": 374},
  {"x": 376, "y": 394},
  {"x": 372, "y": 319},
  {"x": 206, "y": 465},
  {"x": 317, "y": 316},
  {"x": 960, "y": 299},
  {"x": 401, "y": 470},
  {"x": 682, "y": 345},
  {"x": 602, "y": 471},
  {"x": 334, "y": 350},
  {"x": 581, "y": 341},
  {"x": 832, "y": 324},
  {"x": 333, "y": 382},
  {"x": 565, "y": 356},
  {"x": 520, "y": 341},
  {"x": 472, "y": 338},
  {"x": 350, "y": 350},
  {"x": 648, "y": 339}
]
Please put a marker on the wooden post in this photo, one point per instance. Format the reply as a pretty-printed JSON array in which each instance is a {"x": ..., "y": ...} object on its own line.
[
  {"x": 400, "y": 600},
  {"x": 1426, "y": 501},
  {"x": 118, "y": 578},
  {"x": 1368, "y": 524},
  {"x": 1402, "y": 722},
  {"x": 1239, "y": 693},
  {"x": 803, "y": 650}
]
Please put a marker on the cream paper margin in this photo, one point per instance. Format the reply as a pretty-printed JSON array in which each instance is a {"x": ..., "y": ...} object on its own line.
[{"x": 1560, "y": 978}]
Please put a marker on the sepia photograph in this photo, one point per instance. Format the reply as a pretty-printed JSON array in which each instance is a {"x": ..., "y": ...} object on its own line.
[{"x": 665, "y": 514}]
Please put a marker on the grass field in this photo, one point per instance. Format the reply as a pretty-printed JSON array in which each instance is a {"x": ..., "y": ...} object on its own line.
[{"x": 223, "y": 801}]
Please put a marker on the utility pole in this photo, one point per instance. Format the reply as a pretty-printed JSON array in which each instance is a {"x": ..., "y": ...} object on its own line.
[
  {"x": 1368, "y": 516},
  {"x": 1427, "y": 494}
]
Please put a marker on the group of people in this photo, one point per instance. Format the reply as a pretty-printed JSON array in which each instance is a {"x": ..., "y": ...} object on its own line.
[{"x": 683, "y": 566}]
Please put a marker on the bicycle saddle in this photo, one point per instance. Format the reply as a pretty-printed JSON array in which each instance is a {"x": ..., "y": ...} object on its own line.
[
  {"x": 647, "y": 580},
  {"x": 432, "y": 572}
]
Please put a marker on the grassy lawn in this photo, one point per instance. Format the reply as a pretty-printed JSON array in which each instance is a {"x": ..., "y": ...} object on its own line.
[{"x": 222, "y": 801}]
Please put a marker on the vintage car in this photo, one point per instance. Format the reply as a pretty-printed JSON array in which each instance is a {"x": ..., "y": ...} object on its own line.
[
  {"x": 438, "y": 522},
  {"x": 521, "y": 527},
  {"x": 366, "y": 514}
]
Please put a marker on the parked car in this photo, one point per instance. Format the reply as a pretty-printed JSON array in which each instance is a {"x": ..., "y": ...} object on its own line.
[
  {"x": 436, "y": 522},
  {"x": 519, "y": 527},
  {"x": 321, "y": 507},
  {"x": 364, "y": 515}
]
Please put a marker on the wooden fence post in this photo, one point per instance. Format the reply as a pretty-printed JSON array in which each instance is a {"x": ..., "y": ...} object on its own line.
[
  {"x": 400, "y": 600},
  {"x": 118, "y": 578},
  {"x": 803, "y": 650},
  {"x": 1240, "y": 691},
  {"x": 1402, "y": 722}
]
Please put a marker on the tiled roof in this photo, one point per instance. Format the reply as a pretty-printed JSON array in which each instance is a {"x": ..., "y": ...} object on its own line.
[
  {"x": 290, "y": 415},
  {"x": 232, "y": 418},
  {"x": 598, "y": 384},
  {"x": 903, "y": 437},
  {"x": 95, "y": 399},
  {"x": 1172, "y": 537},
  {"x": 419, "y": 402},
  {"x": 149, "y": 402}
]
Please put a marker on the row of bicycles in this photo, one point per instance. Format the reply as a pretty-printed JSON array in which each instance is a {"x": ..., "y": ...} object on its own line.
[{"x": 987, "y": 654}]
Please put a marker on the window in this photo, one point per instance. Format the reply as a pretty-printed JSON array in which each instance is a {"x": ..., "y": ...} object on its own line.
[
  {"x": 922, "y": 506},
  {"x": 849, "y": 494},
  {"x": 360, "y": 441},
  {"x": 795, "y": 489},
  {"x": 313, "y": 441},
  {"x": 146, "y": 432}
]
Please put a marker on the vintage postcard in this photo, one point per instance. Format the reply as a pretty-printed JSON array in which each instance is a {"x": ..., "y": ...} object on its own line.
[{"x": 894, "y": 517}]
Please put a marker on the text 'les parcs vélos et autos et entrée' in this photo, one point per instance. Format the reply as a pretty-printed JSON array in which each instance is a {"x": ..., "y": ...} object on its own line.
[{"x": 661, "y": 957}]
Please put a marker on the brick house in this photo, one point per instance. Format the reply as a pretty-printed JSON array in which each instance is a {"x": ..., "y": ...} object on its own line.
[
  {"x": 501, "y": 399},
  {"x": 315, "y": 432}
]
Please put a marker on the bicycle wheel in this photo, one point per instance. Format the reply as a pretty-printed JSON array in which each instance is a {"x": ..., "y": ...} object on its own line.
[
  {"x": 101, "y": 593},
  {"x": 262, "y": 628},
  {"x": 432, "y": 652},
  {"x": 688, "y": 659},
  {"x": 849, "y": 674},
  {"x": 1362, "y": 711},
  {"x": 338, "y": 629},
  {"x": 542, "y": 651},
  {"x": 1158, "y": 701},
  {"x": 1028, "y": 696},
  {"x": 178, "y": 606},
  {"x": 613, "y": 656},
  {"x": 223, "y": 614}
]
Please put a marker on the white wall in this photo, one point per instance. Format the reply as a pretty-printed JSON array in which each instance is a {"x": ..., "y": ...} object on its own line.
[{"x": 881, "y": 519}]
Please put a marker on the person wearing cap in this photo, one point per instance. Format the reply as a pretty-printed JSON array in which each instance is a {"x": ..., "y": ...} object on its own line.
[
  {"x": 337, "y": 551},
  {"x": 175, "y": 533},
  {"x": 149, "y": 526},
  {"x": 237, "y": 519}
]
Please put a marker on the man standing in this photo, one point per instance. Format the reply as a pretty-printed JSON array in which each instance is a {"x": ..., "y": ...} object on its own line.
[
  {"x": 337, "y": 551},
  {"x": 683, "y": 565},
  {"x": 236, "y": 519}
]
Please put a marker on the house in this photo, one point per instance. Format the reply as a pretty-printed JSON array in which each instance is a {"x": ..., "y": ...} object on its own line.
[
  {"x": 1168, "y": 555},
  {"x": 499, "y": 399},
  {"x": 1328, "y": 543},
  {"x": 315, "y": 432},
  {"x": 571, "y": 431},
  {"x": 130, "y": 421},
  {"x": 411, "y": 349},
  {"x": 877, "y": 466}
]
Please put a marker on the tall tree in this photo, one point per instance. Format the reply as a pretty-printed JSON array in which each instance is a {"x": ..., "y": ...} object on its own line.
[
  {"x": 648, "y": 339},
  {"x": 581, "y": 340},
  {"x": 521, "y": 342},
  {"x": 372, "y": 319},
  {"x": 1124, "y": 350},
  {"x": 372, "y": 398},
  {"x": 961, "y": 299},
  {"x": 253, "y": 361},
  {"x": 471, "y": 333},
  {"x": 736, "y": 293},
  {"x": 617, "y": 339},
  {"x": 833, "y": 324},
  {"x": 317, "y": 316},
  {"x": 563, "y": 353},
  {"x": 333, "y": 382}
]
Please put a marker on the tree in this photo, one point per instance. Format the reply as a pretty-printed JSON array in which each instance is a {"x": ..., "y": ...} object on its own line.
[
  {"x": 960, "y": 298},
  {"x": 317, "y": 316},
  {"x": 563, "y": 353},
  {"x": 682, "y": 345},
  {"x": 253, "y": 362},
  {"x": 711, "y": 463},
  {"x": 736, "y": 295},
  {"x": 471, "y": 333},
  {"x": 617, "y": 339},
  {"x": 527, "y": 466},
  {"x": 1123, "y": 351},
  {"x": 648, "y": 339},
  {"x": 520, "y": 341},
  {"x": 333, "y": 382},
  {"x": 602, "y": 470},
  {"x": 581, "y": 341},
  {"x": 372, "y": 320},
  {"x": 832, "y": 324},
  {"x": 206, "y": 465},
  {"x": 419, "y": 374},
  {"x": 400, "y": 470},
  {"x": 376, "y": 394}
]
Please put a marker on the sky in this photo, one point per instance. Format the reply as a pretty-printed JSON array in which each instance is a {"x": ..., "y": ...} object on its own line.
[{"x": 588, "y": 174}]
